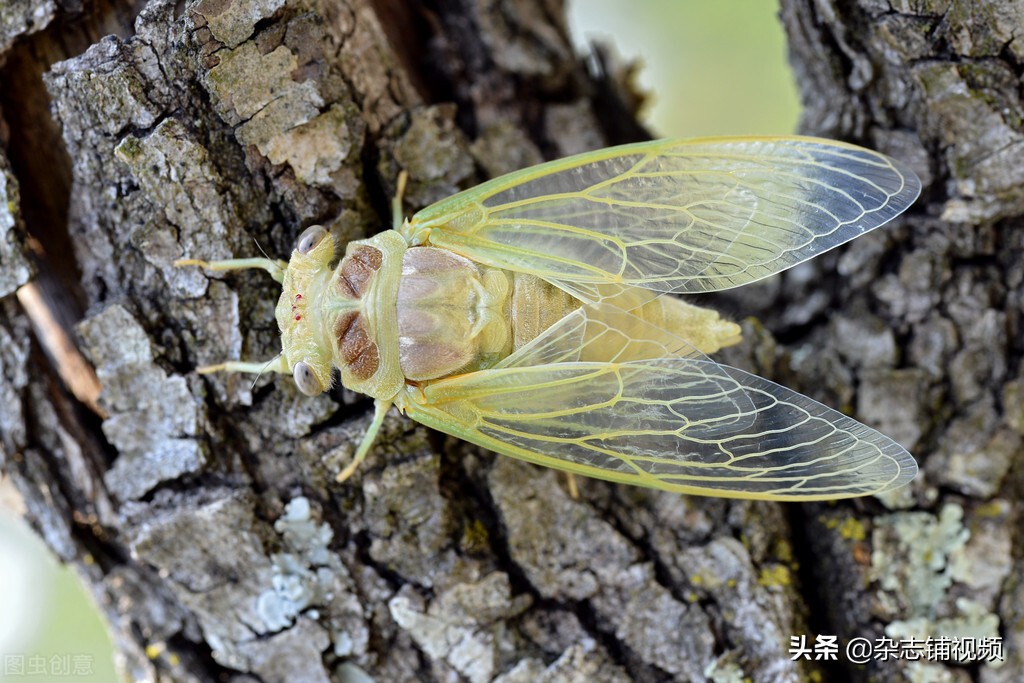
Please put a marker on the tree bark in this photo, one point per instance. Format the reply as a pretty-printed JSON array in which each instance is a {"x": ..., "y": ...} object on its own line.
[{"x": 203, "y": 513}]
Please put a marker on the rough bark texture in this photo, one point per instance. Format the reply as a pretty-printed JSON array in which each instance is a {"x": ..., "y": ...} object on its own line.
[{"x": 202, "y": 511}]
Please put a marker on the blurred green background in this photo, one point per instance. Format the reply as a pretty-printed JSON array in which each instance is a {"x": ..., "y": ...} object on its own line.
[
  {"x": 714, "y": 67},
  {"x": 44, "y": 610}
]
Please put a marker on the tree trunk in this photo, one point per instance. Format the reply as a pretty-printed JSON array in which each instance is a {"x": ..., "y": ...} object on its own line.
[{"x": 203, "y": 512}]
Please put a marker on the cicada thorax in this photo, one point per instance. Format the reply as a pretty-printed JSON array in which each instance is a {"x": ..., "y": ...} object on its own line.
[
  {"x": 443, "y": 314},
  {"x": 354, "y": 345},
  {"x": 360, "y": 318}
]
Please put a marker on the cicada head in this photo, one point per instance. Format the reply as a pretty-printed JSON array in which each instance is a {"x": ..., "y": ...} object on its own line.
[
  {"x": 339, "y": 317},
  {"x": 299, "y": 311}
]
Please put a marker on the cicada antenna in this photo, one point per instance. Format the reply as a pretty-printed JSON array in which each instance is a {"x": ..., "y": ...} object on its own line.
[
  {"x": 275, "y": 359},
  {"x": 260, "y": 247}
]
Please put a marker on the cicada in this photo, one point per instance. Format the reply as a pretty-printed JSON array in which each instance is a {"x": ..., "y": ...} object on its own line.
[{"x": 533, "y": 315}]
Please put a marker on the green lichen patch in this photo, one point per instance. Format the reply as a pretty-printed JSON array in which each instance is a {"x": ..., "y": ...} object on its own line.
[
  {"x": 1013, "y": 404},
  {"x": 281, "y": 111},
  {"x": 247, "y": 81},
  {"x": 918, "y": 555},
  {"x": 15, "y": 268},
  {"x": 233, "y": 21}
]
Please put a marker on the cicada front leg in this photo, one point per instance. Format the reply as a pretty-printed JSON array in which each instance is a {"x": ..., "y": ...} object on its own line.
[
  {"x": 396, "y": 201},
  {"x": 573, "y": 486},
  {"x": 276, "y": 269},
  {"x": 380, "y": 410},
  {"x": 278, "y": 365}
]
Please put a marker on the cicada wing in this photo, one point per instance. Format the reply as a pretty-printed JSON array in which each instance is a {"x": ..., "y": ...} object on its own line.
[
  {"x": 678, "y": 422},
  {"x": 672, "y": 215}
]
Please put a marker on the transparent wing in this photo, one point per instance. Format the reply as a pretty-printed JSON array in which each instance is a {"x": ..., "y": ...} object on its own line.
[
  {"x": 672, "y": 215},
  {"x": 659, "y": 414}
]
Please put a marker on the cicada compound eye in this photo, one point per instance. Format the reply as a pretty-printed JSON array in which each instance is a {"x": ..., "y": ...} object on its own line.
[
  {"x": 309, "y": 238},
  {"x": 306, "y": 380}
]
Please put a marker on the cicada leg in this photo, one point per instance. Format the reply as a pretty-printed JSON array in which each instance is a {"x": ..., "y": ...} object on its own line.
[
  {"x": 276, "y": 268},
  {"x": 380, "y": 410},
  {"x": 278, "y": 365},
  {"x": 396, "y": 202},
  {"x": 574, "y": 489}
]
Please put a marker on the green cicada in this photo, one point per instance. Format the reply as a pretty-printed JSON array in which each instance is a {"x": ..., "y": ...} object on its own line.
[{"x": 527, "y": 315}]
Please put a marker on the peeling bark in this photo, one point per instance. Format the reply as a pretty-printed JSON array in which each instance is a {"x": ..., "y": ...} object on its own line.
[{"x": 202, "y": 512}]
